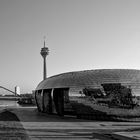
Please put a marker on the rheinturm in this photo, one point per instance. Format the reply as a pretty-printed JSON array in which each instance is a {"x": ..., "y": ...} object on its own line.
[{"x": 44, "y": 52}]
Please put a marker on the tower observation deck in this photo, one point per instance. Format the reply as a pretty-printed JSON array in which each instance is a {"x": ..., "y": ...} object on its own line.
[{"x": 44, "y": 52}]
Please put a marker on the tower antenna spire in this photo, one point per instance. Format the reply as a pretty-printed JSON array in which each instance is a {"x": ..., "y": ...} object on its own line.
[{"x": 44, "y": 41}]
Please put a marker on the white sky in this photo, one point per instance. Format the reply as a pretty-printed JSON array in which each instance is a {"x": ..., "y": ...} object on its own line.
[{"x": 81, "y": 35}]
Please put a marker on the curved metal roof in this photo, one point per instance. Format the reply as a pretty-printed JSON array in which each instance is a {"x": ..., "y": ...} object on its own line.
[{"x": 91, "y": 78}]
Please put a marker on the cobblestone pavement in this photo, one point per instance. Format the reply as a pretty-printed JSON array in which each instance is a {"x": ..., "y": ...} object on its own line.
[{"x": 37, "y": 126}]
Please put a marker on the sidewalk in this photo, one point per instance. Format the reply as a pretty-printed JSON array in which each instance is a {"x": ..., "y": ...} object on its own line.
[{"x": 40, "y": 126}]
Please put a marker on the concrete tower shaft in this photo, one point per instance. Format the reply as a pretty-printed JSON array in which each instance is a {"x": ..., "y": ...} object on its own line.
[{"x": 44, "y": 52}]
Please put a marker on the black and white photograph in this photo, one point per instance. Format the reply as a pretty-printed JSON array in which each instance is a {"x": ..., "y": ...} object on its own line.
[{"x": 69, "y": 69}]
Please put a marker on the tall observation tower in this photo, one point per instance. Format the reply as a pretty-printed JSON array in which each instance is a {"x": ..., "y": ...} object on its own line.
[{"x": 44, "y": 52}]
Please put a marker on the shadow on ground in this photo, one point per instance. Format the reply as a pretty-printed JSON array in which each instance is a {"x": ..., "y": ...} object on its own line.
[
  {"x": 11, "y": 128},
  {"x": 32, "y": 115}
]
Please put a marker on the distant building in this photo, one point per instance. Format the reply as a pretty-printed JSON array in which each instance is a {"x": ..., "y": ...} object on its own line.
[{"x": 17, "y": 90}]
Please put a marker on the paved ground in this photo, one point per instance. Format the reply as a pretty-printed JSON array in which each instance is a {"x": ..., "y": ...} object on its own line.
[{"x": 37, "y": 126}]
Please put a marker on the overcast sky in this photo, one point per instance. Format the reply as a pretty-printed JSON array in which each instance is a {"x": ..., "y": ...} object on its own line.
[{"x": 80, "y": 34}]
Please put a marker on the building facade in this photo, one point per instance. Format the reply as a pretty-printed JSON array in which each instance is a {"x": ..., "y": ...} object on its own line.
[{"x": 59, "y": 93}]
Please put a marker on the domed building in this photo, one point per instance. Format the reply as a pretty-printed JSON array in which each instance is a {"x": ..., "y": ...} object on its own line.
[{"x": 56, "y": 93}]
